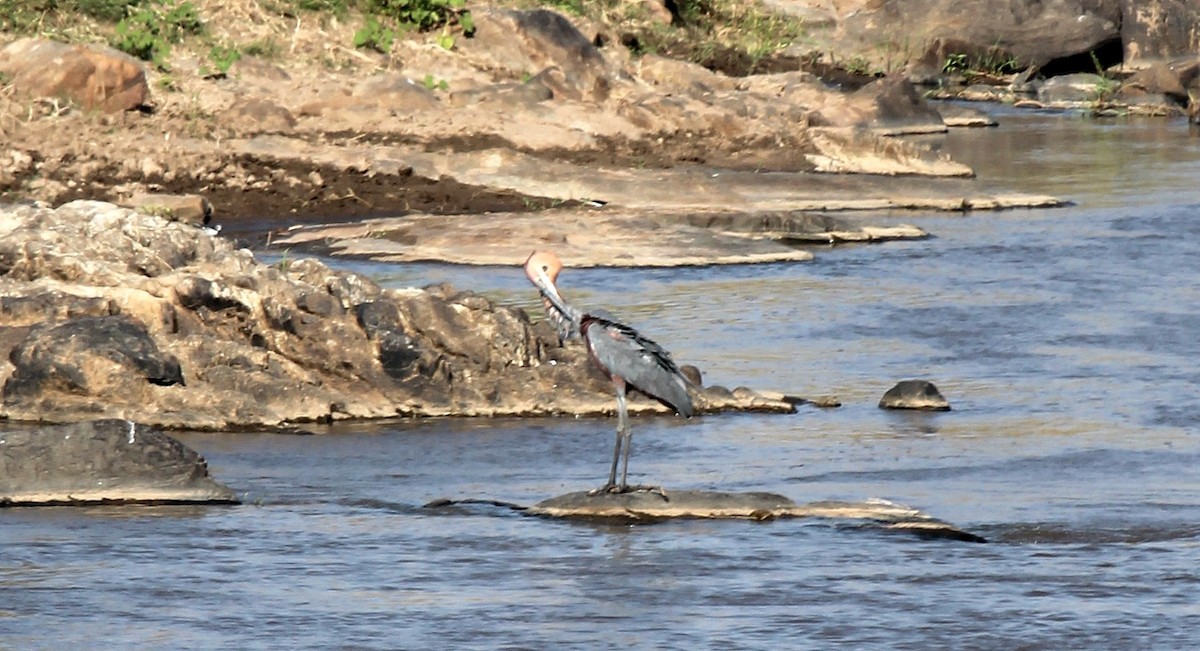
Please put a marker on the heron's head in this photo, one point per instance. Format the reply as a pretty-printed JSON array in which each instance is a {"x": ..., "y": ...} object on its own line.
[{"x": 542, "y": 268}]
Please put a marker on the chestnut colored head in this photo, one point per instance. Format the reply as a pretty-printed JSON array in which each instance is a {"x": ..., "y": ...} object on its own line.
[{"x": 542, "y": 266}]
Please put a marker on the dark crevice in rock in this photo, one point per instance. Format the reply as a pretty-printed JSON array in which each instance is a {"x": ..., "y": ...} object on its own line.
[{"x": 1104, "y": 56}]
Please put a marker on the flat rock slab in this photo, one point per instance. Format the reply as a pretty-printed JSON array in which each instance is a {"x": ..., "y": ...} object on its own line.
[
  {"x": 591, "y": 237},
  {"x": 678, "y": 189},
  {"x": 655, "y": 506},
  {"x": 103, "y": 461}
]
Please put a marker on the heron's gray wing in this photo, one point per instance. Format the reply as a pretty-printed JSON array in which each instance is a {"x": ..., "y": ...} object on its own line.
[{"x": 624, "y": 352}]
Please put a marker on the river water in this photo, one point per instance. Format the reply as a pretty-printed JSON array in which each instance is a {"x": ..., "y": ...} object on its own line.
[{"x": 1065, "y": 339}]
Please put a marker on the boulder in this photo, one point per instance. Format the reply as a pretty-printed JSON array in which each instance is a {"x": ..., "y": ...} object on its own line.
[
  {"x": 108, "y": 312},
  {"x": 1160, "y": 80},
  {"x": 94, "y": 76},
  {"x": 1028, "y": 32},
  {"x": 1158, "y": 30},
  {"x": 914, "y": 394},
  {"x": 102, "y": 461}
]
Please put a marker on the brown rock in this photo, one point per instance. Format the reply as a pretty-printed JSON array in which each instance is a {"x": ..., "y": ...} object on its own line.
[
  {"x": 677, "y": 75},
  {"x": 1028, "y": 32},
  {"x": 527, "y": 41},
  {"x": 1157, "y": 79},
  {"x": 257, "y": 115},
  {"x": 892, "y": 106},
  {"x": 1154, "y": 30},
  {"x": 96, "y": 77},
  {"x": 187, "y": 208},
  {"x": 395, "y": 92}
]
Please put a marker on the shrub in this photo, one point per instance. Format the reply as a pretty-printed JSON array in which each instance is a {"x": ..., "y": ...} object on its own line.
[{"x": 148, "y": 32}]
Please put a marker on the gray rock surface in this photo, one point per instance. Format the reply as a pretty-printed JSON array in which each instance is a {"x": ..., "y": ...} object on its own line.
[
  {"x": 914, "y": 394},
  {"x": 102, "y": 461}
]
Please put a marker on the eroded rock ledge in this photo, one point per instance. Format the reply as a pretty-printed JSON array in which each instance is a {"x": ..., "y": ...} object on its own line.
[{"x": 110, "y": 313}]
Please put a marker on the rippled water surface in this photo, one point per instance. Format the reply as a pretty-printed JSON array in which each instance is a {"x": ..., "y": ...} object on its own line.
[{"x": 1066, "y": 340}]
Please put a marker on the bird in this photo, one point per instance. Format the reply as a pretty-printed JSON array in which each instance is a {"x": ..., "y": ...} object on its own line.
[{"x": 622, "y": 353}]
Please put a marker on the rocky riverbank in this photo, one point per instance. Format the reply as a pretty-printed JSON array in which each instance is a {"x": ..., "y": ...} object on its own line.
[
  {"x": 471, "y": 129},
  {"x": 106, "y": 312}
]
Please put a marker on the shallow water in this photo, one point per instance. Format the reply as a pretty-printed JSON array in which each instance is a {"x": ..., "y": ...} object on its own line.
[{"x": 1065, "y": 339}]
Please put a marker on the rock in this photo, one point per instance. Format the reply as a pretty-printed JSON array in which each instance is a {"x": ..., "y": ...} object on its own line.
[
  {"x": 88, "y": 357},
  {"x": 914, "y": 394},
  {"x": 681, "y": 76},
  {"x": 891, "y": 106},
  {"x": 257, "y": 115},
  {"x": 1158, "y": 79},
  {"x": 658, "y": 12},
  {"x": 186, "y": 208},
  {"x": 395, "y": 92},
  {"x": 524, "y": 42},
  {"x": 97, "y": 77},
  {"x": 1074, "y": 88},
  {"x": 1027, "y": 32},
  {"x": 649, "y": 505},
  {"x": 158, "y": 322},
  {"x": 15, "y": 164},
  {"x": 256, "y": 68},
  {"x": 506, "y": 95},
  {"x": 957, "y": 115},
  {"x": 102, "y": 461},
  {"x": 1154, "y": 30}
]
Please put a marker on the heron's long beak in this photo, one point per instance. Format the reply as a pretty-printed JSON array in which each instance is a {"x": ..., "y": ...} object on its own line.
[{"x": 549, "y": 291}]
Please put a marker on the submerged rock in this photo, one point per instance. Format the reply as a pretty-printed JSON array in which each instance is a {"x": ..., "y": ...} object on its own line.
[
  {"x": 914, "y": 394},
  {"x": 102, "y": 461},
  {"x": 107, "y": 312},
  {"x": 658, "y": 504}
]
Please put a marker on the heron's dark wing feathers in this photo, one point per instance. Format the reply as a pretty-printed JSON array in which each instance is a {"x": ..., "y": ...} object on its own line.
[{"x": 623, "y": 351}]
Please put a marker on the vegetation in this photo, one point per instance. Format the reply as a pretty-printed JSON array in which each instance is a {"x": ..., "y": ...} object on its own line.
[
  {"x": 149, "y": 31},
  {"x": 431, "y": 83},
  {"x": 733, "y": 36},
  {"x": 994, "y": 62},
  {"x": 375, "y": 36}
]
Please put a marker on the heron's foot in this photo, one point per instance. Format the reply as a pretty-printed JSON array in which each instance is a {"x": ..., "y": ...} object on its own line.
[
  {"x": 621, "y": 489},
  {"x": 605, "y": 489}
]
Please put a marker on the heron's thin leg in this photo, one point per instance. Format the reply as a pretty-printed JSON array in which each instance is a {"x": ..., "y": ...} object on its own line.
[
  {"x": 624, "y": 437},
  {"x": 622, "y": 417},
  {"x": 612, "y": 473}
]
